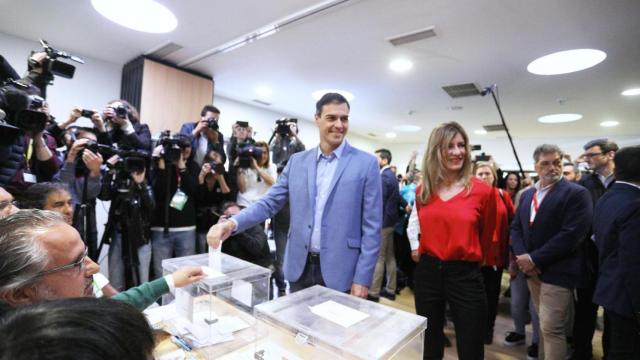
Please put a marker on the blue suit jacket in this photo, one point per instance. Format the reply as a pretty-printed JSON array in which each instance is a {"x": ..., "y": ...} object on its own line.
[
  {"x": 553, "y": 240},
  {"x": 351, "y": 223},
  {"x": 390, "y": 199},
  {"x": 616, "y": 226}
]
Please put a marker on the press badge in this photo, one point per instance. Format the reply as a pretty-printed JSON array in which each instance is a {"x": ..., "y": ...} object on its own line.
[
  {"x": 178, "y": 200},
  {"x": 29, "y": 178}
]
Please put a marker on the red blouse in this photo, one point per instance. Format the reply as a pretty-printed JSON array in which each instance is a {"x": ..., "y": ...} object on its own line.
[{"x": 460, "y": 228}]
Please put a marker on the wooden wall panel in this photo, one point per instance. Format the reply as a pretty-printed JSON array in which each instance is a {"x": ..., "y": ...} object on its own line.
[{"x": 171, "y": 97}]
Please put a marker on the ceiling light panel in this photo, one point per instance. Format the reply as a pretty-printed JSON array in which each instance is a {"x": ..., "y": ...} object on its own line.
[
  {"x": 564, "y": 62},
  {"x": 140, "y": 15},
  {"x": 559, "y": 118},
  {"x": 631, "y": 92},
  {"x": 401, "y": 65}
]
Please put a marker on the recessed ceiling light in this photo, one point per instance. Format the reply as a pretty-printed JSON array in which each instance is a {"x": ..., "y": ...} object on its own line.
[
  {"x": 559, "y": 118},
  {"x": 401, "y": 65},
  {"x": 317, "y": 95},
  {"x": 140, "y": 15},
  {"x": 631, "y": 92},
  {"x": 609, "y": 123},
  {"x": 391, "y": 135},
  {"x": 564, "y": 62},
  {"x": 480, "y": 132},
  {"x": 264, "y": 91},
  {"x": 407, "y": 128}
]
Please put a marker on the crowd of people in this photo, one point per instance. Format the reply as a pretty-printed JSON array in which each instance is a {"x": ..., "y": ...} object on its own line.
[{"x": 340, "y": 217}]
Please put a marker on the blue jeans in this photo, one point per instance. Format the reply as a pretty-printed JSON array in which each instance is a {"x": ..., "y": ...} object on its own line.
[
  {"x": 180, "y": 243},
  {"x": 116, "y": 263},
  {"x": 519, "y": 300}
]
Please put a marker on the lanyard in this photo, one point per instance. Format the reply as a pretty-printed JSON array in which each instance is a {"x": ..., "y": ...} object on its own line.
[{"x": 534, "y": 208}]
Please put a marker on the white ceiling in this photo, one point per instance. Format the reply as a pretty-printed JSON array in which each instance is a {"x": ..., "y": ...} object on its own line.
[{"x": 481, "y": 41}]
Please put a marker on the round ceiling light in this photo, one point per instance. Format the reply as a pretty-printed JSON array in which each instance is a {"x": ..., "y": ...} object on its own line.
[
  {"x": 564, "y": 62},
  {"x": 480, "y": 132},
  {"x": 401, "y": 65},
  {"x": 407, "y": 128},
  {"x": 391, "y": 135},
  {"x": 631, "y": 92},
  {"x": 317, "y": 95},
  {"x": 140, "y": 15},
  {"x": 609, "y": 123},
  {"x": 559, "y": 118}
]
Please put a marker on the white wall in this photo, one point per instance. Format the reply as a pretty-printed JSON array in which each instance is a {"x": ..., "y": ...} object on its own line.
[
  {"x": 263, "y": 122},
  {"x": 501, "y": 151},
  {"x": 94, "y": 84}
]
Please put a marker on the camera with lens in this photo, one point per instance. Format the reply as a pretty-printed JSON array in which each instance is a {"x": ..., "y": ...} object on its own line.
[
  {"x": 217, "y": 167},
  {"x": 172, "y": 146},
  {"x": 212, "y": 123},
  {"x": 246, "y": 151},
  {"x": 22, "y": 109},
  {"x": 282, "y": 126},
  {"x": 87, "y": 113}
]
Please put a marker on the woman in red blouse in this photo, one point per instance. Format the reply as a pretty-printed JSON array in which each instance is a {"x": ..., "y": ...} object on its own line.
[
  {"x": 497, "y": 258},
  {"x": 456, "y": 212}
]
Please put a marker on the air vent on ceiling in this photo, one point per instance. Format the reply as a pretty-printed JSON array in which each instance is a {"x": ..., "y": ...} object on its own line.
[
  {"x": 490, "y": 128},
  {"x": 261, "y": 102},
  {"x": 412, "y": 36},
  {"x": 163, "y": 50},
  {"x": 462, "y": 90}
]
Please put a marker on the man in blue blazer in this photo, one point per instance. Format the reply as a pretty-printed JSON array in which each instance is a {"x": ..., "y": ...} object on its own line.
[
  {"x": 616, "y": 228},
  {"x": 334, "y": 193},
  {"x": 550, "y": 223}
]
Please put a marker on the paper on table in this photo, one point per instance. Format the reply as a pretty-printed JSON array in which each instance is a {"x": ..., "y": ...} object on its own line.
[
  {"x": 178, "y": 354},
  {"x": 159, "y": 314},
  {"x": 338, "y": 313},
  {"x": 215, "y": 258}
]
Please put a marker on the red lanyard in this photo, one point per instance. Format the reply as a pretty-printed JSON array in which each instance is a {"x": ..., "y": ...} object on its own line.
[{"x": 534, "y": 210}]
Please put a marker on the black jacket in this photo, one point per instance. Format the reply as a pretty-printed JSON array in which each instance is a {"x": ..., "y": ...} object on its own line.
[
  {"x": 140, "y": 139},
  {"x": 188, "y": 184},
  {"x": 250, "y": 245}
]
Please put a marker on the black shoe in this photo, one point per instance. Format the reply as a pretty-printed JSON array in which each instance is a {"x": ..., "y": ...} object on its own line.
[
  {"x": 447, "y": 342},
  {"x": 513, "y": 339},
  {"x": 388, "y": 295},
  {"x": 488, "y": 337},
  {"x": 532, "y": 352},
  {"x": 373, "y": 298},
  {"x": 282, "y": 292}
]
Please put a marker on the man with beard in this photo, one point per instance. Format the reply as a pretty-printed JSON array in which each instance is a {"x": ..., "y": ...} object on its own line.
[{"x": 552, "y": 220}]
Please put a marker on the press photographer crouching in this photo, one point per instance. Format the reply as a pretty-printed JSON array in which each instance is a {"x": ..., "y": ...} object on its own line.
[
  {"x": 122, "y": 126},
  {"x": 255, "y": 174},
  {"x": 130, "y": 212},
  {"x": 175, "y": 175},
  {"x": 212, "y": 191}
]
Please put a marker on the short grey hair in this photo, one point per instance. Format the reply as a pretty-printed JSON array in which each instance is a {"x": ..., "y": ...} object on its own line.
[
  {"x": 22, "y": 256},
  {"x": 546, "y": 149}
]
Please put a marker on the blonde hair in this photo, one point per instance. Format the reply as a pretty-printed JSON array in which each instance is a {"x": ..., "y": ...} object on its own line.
[
  {"x": 483, "y": 164},
  {"x": 433, "y": 164}
]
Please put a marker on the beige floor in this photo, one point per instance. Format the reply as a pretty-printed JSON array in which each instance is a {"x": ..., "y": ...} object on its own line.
[{"x": 504, "y": 323}]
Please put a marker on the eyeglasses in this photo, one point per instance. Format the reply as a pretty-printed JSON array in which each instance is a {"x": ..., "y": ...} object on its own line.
[
  {"x": 80, "y": 264},
  {"x": 590, "y": 155},
  {"x": 5, "y": 204}
]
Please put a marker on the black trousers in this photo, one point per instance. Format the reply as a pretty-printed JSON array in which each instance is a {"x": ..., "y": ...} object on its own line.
[
  {"x": 584, "y": 324},
  {"x": 492, "y": 279},
  {"x": 459, "y": 284},
  {"x": 625, "y": 337}
]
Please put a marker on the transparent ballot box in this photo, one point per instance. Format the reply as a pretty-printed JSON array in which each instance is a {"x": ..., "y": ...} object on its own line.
[
  {"x": 213, "y": 316},
  {"x": 320, "y": 323},
  {"x": 239, "y": 282}
]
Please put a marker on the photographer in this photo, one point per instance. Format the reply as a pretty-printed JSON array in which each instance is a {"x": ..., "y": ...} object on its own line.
[
  {"x": 59, "y": 130},
  {"x": 286, "y": 141},
  {"x": 241, "y": 133},
  {"x": 127, "y": 229},
  {"x": 81, "y": 173},
  {"x": 173, "y": 229},
  {"x": 205, "y": 134},
  {"x": 26, "y": 150},
  {"x": 121, "y": 125},
  {"x": 212, "y": 191},
  {"x": 255, "y": 174},
  {"x": 285, "y": 144}
]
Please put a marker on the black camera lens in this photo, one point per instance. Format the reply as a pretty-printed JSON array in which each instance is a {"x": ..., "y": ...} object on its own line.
[
  {"x": 121, "y": 111},
  {"x": 87, "y": 113}
]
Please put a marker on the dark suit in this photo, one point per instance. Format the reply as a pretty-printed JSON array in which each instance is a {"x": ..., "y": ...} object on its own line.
[
  {"x": 187, "y": 129},
  {"x": 552, "y": 241},
  {"x": 616, "y": 227}
]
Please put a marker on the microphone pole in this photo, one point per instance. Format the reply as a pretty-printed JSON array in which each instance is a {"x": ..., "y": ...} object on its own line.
[{"x": 492, "y": 89}]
